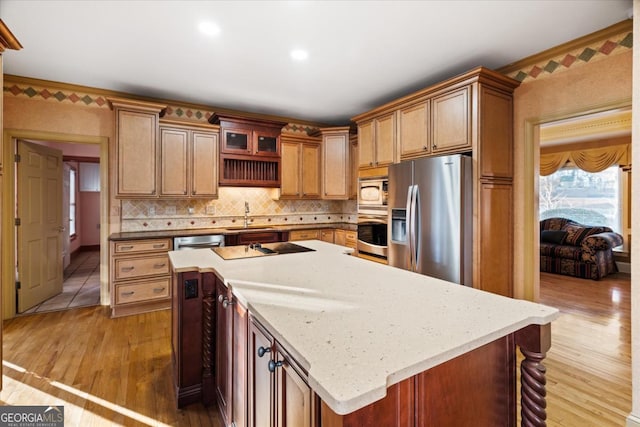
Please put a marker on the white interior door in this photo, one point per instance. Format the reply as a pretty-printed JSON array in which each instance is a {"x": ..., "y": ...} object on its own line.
[{"x": 41, "y": 229}]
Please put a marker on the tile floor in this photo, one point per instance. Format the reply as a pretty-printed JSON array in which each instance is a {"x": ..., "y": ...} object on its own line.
[{"x": 81, "y": 286}]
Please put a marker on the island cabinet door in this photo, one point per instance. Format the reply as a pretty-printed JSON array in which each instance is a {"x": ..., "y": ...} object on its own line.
[
  {"x": 240, "y": 330},
  {"x": 261, "y": 380},
  {"x": 294, "y": 399},
  {"x": 223, "y": 350}
]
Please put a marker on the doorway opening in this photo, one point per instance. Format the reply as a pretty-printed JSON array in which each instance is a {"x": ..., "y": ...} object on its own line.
[
  {"x": 79, "y": 261},
  {"x": 9, "y": 203}
]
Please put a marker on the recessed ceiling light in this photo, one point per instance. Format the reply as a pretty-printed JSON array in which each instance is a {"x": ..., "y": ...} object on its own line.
[
  {"x": 299, "y": 54},
  {"x": 209, "y": 28}
]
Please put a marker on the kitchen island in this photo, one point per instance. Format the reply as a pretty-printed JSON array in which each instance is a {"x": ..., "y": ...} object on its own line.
[{"x": 355, "y": 342}]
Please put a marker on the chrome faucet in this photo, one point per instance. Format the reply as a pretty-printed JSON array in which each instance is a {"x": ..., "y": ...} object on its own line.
[{"x": 246, "y": 214}]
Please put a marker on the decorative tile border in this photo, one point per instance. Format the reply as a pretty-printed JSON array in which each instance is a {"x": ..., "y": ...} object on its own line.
[
  {"x": 576, "y": 57},
  {"x": 88, "y": 99}
]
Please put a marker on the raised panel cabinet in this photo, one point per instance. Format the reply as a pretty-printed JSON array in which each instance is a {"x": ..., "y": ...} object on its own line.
[
  {"x": 223, "y": 350},
  {"x": 293, "y": 397},
  {"x": 188, "y": 160},
  {"x": 261, "y": 386},
  {"x": 413, "y": 130},
  {"x": 376, "y": 141},
  {"x": 300, "y": 169},
  {"x": 136, "y": 134},
  {"x": 336, "y": 174},
  {"x": 451, "y": 120}
]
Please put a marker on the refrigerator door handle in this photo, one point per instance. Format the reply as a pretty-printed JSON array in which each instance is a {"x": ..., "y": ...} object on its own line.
[
  {"x": 416, "y": 227},
  {"x": 408, "y": 219},
  {"x": 412, "y": 228}
]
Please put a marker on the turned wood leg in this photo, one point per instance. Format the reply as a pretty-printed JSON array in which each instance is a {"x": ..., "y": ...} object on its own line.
[
  {"x": 534, "y": 342},
  {"x": 208, "y": 323}
]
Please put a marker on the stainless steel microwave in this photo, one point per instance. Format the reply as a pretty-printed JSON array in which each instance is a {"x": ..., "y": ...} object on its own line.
[{"x": 372, "y": 195}]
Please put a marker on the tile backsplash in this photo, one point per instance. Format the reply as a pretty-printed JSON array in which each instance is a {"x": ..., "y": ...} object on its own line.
[{"x": 228, "y": 211}]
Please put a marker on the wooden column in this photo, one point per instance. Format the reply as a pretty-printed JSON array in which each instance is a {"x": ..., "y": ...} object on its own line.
[
  {"x": 208, "y": 334},
  {"x": 534, "y": 342}
]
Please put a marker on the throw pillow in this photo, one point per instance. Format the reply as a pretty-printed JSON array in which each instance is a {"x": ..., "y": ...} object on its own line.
[
  {"x": 576, "y": 233},
  {"x": 553, "y": 236}
]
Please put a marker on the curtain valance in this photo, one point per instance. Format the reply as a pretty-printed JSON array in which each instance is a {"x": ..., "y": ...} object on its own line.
[{"x": 591, "y": 160}]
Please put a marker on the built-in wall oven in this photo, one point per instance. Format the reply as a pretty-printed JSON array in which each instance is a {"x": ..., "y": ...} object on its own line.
[
  {"x": 373, "y": 216},
  {"x": 372, "y": 236}
]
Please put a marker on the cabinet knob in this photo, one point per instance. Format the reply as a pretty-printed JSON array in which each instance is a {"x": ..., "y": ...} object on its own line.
[
  {"x": 434, "y": 146},
  {"x": 273, "y": 365},
  {"x": 220, "y": 297},
  {"x": 370, "y": 163},
  {"x": 226, "y": 303},
  {"x": 424, "y": 147},
  {"x": 263, "y": 350}
]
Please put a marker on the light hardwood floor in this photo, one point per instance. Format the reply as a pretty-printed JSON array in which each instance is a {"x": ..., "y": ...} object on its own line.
[
  {"x": 118, "y": 371},
  {"x": 589, "y": 364}
]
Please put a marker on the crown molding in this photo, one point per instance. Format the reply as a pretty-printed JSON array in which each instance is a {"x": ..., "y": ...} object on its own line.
[
  {"x": 7, "y": 39},
  {"x": 605, "y": 33}
]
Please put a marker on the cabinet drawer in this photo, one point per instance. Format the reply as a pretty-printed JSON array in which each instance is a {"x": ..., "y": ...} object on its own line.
[
  {"x": 327, "y": 236},
  {"x": 143, "y": 290},
  {"x": 139, "y": 246},
  {"x": 130, "y": 268},
  {"x": 304, "y": 235}
]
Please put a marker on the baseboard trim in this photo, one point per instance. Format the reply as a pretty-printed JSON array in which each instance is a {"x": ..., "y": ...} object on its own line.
[
  {"x": 633, "y": 421},
  {"x": 89, "y": 248},
  {"x": 624, "y": 267}
]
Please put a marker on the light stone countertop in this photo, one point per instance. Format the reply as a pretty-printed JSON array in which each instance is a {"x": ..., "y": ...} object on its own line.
[{"x": 357, "y": 326}]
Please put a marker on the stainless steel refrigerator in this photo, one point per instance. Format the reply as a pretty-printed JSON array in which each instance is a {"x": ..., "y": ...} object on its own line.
[{"x": 430, "y": 217}]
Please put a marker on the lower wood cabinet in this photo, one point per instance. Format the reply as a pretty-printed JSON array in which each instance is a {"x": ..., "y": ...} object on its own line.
[
  {"x": 140, "y": 276},
  {"x": 223, "y": 351},
  {"x": 249, "y": 237},
  {"x": 278, "y": 394}
]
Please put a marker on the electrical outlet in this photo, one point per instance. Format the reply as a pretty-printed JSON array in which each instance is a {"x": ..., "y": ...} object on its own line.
[
  {"x": 190, "y": 210},
  {"x": 152, "y": 210},
  {"x": 211, "y": 210},
  {"x": 170, "y": 210}
]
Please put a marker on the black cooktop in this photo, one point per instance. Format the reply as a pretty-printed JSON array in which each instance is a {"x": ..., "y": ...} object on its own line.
[{"x": 259, "y": 250}]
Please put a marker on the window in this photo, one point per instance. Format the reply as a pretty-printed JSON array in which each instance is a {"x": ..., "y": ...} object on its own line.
[
  {"x": 73, "y": 175},
  {"x": 585, "y": 197}
]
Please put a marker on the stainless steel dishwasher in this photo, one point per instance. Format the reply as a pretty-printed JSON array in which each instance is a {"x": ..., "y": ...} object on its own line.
[{"x": 198, "y": 242}]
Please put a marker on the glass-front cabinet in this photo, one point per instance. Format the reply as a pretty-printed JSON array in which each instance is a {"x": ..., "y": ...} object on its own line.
[{"x": 250, "y": 138}]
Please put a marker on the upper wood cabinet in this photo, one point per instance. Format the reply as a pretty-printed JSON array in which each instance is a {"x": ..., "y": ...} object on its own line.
[
  {"x": 249, "y": 151},
  {"x": 336, "y": 164},
  {"x": 188, "y": 160},
  {"x": 353, "y": 160},
  {"x": 301, "y": 162},
  {"x": 136, "y": 157},
  {"x": 376, "y": 141},
  {"x": 414, "y": 136},
  {"x": 471, "y": 112},
  {"x": 451, "y": 121}
]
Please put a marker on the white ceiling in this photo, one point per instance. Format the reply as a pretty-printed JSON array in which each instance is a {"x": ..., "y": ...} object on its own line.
[{"x": 361, "y": 53}]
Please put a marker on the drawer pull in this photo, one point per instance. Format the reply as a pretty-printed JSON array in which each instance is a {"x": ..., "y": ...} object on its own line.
[
  {"x": 158, "y": 290},
  {"x": 273, "y": 365},
  {"x": 127, "y": 269},
  {"x": 127, "y": 294},
  {"x": 158, "y": 246},
  {"x": 126, "y": 248},
  {"x": 159, "y": 265}
]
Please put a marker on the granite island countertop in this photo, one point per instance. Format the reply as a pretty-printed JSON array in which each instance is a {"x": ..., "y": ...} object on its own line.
[{"x": 356, "y": 326}]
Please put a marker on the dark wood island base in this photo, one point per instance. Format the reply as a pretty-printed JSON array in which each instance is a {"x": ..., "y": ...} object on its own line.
[{"x": 477, "y": 388}]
